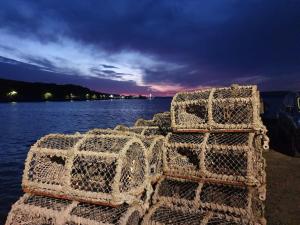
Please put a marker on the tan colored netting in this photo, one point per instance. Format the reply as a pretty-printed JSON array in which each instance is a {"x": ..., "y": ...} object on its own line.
[
  {"x": 163, "y": 120},
  {"x": 37, "y": 210},
  {"x": 160, "y": 120},
  {"x": 144, "y": 123},
  {"x": 107, "y": 168},
  {"x": 154, "y": 146},
  {"x": 152, "y": 143},
  {"x": 226, "y": 198},
  {"x": 168, "y": 214},
  {"x": 236, "y": 107},
  {"x": 141, "y": 130},
  {"x": 232, "y": 157}
]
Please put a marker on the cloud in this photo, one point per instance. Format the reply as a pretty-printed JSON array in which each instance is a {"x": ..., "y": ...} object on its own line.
[
  {"x": 163, "y": 45},
  {"x": 109, "y": 66}
]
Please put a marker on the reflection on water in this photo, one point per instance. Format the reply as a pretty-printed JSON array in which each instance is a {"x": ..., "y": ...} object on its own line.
[{"x": 23, "y": 123}]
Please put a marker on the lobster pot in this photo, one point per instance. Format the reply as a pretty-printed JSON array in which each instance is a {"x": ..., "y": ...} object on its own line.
[
  {"x": 162, "y": 120},
  {"x": 118, "y": 130},
  {"x": 235, "y": 107},
  {"x": 154, "y": 146},
  {"x": 108, "y": 168},
  {"x": 225, "y": 198},
  {"x": 144, "y": 123},
  {"x": 227, "y": 157},
  {"x": 167, "y": 214},
  {"x": 135, "y": 130},
  {"x": 142, "y": 130},
  {"x": 37, "y": 210}
]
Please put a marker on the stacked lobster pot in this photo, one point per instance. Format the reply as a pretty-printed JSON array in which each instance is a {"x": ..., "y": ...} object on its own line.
[
  {"x": 153, "y": 133},
  {"x": 160, "y": 124},
  {"x": 101, "y": 177},
  {"x": 214, "y": 172}
]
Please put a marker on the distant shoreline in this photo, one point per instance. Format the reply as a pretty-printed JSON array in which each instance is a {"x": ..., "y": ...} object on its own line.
[{"x": 20, "y": 91}]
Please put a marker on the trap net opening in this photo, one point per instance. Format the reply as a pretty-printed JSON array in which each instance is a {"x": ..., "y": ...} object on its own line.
[{"x": 110, "y": 167}]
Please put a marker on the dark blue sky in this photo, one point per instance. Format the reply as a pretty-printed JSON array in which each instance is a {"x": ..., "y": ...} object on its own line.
[{"x": 152, "y": 46}]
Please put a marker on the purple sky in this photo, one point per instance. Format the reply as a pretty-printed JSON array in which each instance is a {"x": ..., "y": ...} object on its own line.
[{"x": 152, "y": 46}]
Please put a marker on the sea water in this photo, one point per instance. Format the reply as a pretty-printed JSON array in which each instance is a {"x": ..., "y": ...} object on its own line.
[{"x": 22, "y": 124}]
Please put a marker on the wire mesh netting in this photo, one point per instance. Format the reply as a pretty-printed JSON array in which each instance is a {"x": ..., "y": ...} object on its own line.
[
  {"x": 167, "y": 214},
  {"x": 226, "y": 198},
  {"x": 236, "y": 107},
  {"x": 37, "y": 210},
  {"x": 110, "y": 167},
  {"x": 235, "y": 157}
]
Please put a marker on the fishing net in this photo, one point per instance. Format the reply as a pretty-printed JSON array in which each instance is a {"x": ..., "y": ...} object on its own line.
[
  {"x": 142, "y": 130},
  {"x": 226, "y": 198},
  {"x": 153, "y": 144},
  {"x": 167, "y": 214},
  {"x": 37, "y": 210},
  {"x": 162, "y": 121},
  {"x": 235, "y": 107},
  {"x": 233, "y": 157},
  {"x": 144, "y": 123},
  {"x": 107, "y": 168}
]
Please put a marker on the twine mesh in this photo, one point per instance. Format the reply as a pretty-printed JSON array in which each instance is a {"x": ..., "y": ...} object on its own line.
[
  {"x": 110, "y": 167},
  {"x": 236, "y": 107},
  {"x": 232, "y": 157},
  {"x": 141, "y": 130},
  {"x": 225, "y": 198},
  {"x": 160, "y": 121},
  {"x": 168, "y": 214},
  {"x": 144, "y": 123},
  {"x": 58, "y": 141},
  {"x": 152, "y": 143},
  {"x": 37, "y": 210},
  {"x": 154, "y": 146}
]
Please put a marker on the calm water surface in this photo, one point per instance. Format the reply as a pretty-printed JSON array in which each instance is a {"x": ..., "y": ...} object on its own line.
[{"x": 23, "y": 123}]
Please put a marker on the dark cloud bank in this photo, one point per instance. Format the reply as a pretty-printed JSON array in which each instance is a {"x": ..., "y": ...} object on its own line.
[{"x": 212, "y": 42}]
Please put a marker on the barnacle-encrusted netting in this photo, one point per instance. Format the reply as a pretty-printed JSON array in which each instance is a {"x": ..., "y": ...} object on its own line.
[
  {"x": 226, "y": 198},
  {"x": 168, "y": 214},
  {"x": 234, "y": 157},
  {"x": 107, "y": 168},
  {"x": 235, "y": 107},
  {"x": 42, "y": 210}
]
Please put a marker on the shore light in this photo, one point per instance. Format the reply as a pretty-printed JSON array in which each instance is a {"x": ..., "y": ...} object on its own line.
[
  {"x": 12, "y": 93},
  {"x": 48, "y": 95}
]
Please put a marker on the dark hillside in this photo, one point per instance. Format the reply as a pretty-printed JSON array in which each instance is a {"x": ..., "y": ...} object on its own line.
[{"x": 11, "y": 90}]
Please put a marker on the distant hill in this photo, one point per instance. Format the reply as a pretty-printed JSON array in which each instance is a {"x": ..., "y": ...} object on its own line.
[{"x": 11, "y": 90}]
